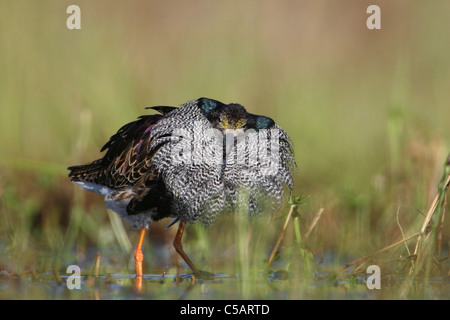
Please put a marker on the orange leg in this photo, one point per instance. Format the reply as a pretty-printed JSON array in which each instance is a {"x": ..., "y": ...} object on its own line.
[
  {"x": 139, "y": 258},
  {"x": 179, "y": 247}
]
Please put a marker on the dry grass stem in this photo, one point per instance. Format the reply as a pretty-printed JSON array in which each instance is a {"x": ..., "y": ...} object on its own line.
[
  {"x": 365, "y": 258},
  {"x": 97, "y": 263},
  {"x": 440, "y": 199},
  {"x": 429, "y": 215},
  {"x": 313, "y": 223},
  {"x": 280, "y": 237}
]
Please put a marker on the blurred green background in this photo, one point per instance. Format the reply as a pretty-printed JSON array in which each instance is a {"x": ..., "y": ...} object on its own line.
[{"x": 367, "y": 110}]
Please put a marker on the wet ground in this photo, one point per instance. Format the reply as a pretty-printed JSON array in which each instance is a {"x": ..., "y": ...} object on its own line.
[{"x": 278, "y": 285}]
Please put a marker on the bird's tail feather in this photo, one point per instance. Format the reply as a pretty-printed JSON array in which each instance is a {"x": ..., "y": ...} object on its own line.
[{"x": 86, "y": 172}]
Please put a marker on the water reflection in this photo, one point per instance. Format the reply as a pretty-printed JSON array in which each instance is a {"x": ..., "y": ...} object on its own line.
[{"x": 273, "y": 285}]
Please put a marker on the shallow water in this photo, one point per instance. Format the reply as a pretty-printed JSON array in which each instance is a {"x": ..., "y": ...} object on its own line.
[{"x": 275, "y": 285}]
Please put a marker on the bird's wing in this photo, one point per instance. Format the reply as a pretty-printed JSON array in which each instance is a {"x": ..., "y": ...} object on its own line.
[{"x": 128, "y": 157}]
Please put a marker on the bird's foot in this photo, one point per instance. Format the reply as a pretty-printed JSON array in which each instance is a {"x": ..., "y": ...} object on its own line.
[{"x": 200, "y": 274}]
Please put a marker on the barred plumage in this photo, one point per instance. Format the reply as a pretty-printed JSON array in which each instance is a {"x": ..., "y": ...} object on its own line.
[{"x": 191, "y": 163}]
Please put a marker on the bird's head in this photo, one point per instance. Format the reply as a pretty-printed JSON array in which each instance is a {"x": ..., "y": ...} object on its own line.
[
  {"x": 232, "y": 120},
  {"x": 232, "y": 116}
]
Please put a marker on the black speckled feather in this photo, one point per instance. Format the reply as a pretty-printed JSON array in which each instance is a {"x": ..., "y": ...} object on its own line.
[{"x": 143, "y": 183}]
